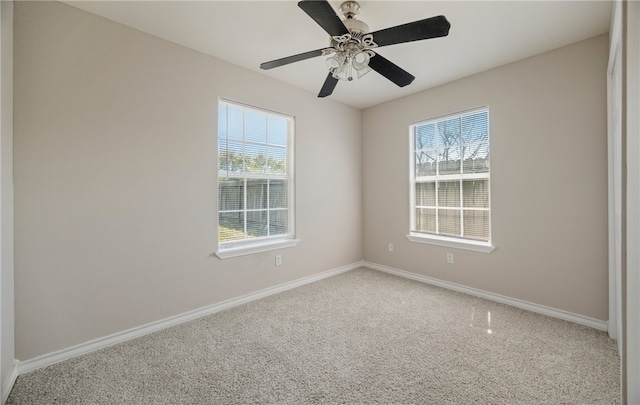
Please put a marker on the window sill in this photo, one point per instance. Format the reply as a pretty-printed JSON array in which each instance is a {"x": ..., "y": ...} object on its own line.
[
  {"x": 250, "y": 249},
  {"x": 484, "y": 247}
]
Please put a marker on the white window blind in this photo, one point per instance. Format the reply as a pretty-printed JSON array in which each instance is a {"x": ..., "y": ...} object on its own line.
[
  {"x": 450, "y": 176},
  {"x": 255, "y": 175}
]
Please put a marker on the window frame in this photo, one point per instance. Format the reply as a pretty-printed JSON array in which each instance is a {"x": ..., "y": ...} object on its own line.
[
  {"x": 249, "y": 246},
  {"x": 439, "y": 239}
]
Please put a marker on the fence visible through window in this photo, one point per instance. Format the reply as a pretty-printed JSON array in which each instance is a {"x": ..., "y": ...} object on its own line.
[
  {"x": 450, "y": 175},
  {"x": 254, "y": 174}
]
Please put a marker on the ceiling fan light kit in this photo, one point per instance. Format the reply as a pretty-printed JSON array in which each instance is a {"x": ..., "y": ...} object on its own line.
[{"x": 350, "y": 52}]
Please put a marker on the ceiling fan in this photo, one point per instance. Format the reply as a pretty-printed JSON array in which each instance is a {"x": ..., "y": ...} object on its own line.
[{"x": 351, "y": 48}]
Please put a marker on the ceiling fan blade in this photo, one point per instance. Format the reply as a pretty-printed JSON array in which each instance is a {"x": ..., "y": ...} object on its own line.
[
  {"x": 328, "y": 86},
  {"x": 290, "y": 59},
  {"x": 390, "y": 70},
  {"x": 433, "y": 27},
  {"x": 323, "y": 14}
]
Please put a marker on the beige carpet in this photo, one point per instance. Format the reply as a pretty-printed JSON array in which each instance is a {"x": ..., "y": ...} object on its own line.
[{"x": 360, "y": 337}]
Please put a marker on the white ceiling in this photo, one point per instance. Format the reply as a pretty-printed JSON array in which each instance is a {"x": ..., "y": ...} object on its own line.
[{"x": 483, "y": 35}]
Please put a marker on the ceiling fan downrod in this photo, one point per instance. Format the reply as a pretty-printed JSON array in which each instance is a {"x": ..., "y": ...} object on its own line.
[{"x": 350, "y": 9}]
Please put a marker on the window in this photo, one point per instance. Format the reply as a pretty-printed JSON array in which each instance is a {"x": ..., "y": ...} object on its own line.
[
  {"x": 450, "y": 199},
  {"x": 255, "y": 180}
]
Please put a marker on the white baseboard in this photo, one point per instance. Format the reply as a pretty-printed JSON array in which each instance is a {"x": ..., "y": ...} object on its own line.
[
  {"x": 8, "y": 382},
  {"x": 110, "y": 340},
  {"x": 514, "y": 302}
]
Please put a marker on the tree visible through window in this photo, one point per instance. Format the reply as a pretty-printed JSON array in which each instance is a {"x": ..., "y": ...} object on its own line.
[
  {"x": 450, "y": 175},
  {"x": 255, "y": 186}
]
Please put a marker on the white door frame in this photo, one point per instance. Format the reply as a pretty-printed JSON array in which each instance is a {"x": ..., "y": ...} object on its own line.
[
  {"x": 632, "y": 321},
  {"x": 614, "y": 140}
]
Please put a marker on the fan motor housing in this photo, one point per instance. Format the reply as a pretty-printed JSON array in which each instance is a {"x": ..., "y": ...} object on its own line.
[{"x": 354, "y": 25}]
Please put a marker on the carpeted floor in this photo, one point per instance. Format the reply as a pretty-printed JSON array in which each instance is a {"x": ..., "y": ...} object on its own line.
[{"x": 360, "y": 337}]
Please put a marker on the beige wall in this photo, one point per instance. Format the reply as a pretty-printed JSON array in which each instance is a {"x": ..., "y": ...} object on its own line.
[
  {"x": 115, "y": 166},
  {"x": 548, "y": 180}
]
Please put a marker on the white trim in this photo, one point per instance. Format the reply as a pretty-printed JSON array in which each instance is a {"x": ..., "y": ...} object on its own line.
[
  {"x": 256, "y": 248},
  {"x": 225, "y": 174},
  {"x": 456, "y": 243},
  {"x": 614, "y": 143},
  {"x": 7, "y": 384},
  {"x": 461, "y": 113},
  {"x": 254, "y": 108},
  {"x": 445, "y": 177},
  {"x": 119, "y": 337},
  {"x": 514, "y": 302},
  {"x": 632, "y": 118}
]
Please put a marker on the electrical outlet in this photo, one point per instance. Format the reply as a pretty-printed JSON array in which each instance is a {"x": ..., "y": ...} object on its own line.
[
  {"x": 390, "y": 247},
  {"x": 449, "y": 258},
  {"x": 278, "y": 260}
]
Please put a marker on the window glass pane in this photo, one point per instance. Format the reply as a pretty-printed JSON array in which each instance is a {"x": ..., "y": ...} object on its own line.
[
  {"x": 425, "y": 136},
  {"x": 449, "y": 222},
  {"x": 235, "y": 125},
  {"x": 425, "y": 220},
  {"x": 233, "y": 158},
  {"x": 426, "y": 163},
  {"x": 449, "y": 146},
  {"x": 277, "y": 129},
  {"x": 223, "y": 155},
  {"x": 279, "y": 222},
  {"x": 278, "y": 193},
  {"x": 230, "y": 194},
  {"x": 449, "y": 133},
  {"x": 222, "y": 120},
  {"x": 277, "y": 160},
  {"x": 257, "y": 223},
  {"x": 231, "y": 226},
  {"x": 256, "y": 194},
  {"x": 476, "y": 224},
  {"x": 255, "y": 158},
  {"x": 449, "y": 160},
  {"x": 476, "y": 158},
  {"x": 426, "y": 194},
  {"x": 255, "y": 126},
  {"x": 475, "y": 127},
  {"x": 475, "y": 193},
  {"x": 449, "y": 193}
]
